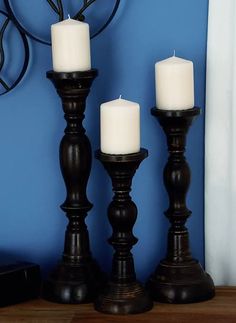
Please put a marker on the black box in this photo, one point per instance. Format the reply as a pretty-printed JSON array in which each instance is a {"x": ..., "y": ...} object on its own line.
[{"x": 19, "y": 282}]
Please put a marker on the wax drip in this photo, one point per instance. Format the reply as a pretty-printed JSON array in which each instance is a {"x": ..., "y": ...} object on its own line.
[
  {"x": 68, "y": 16},
  {"x": 120, "y": 97},
  {"x": 174, "y": 53}
]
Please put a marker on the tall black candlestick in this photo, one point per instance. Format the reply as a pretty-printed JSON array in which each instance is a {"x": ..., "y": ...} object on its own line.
[
  {"x": 77, "y": 278},
  {"x": 178, "y": 278},
  {"x": 123, "y": 293}
]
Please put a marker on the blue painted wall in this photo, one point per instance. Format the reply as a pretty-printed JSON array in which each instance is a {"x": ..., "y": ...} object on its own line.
[{"x": 31, "y": 126}]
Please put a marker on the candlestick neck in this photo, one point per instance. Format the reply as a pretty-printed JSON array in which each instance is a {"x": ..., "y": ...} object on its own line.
[
  {"x": 177, "y": 177},
  {"x": 75, "y": 159},
  {"x": 122, "y": 212},
  {"x": 77, "y": 277}
]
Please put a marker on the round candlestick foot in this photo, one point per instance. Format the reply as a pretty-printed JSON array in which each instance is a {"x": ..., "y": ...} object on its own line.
[
  {"x": 181, "y": 283},
  {"x": 124, "y": 299},
  {"x": 73, "y": 284}
]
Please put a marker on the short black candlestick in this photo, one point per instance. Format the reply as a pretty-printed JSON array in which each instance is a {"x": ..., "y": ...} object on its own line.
[
  {"x": 178, "y": 278},
  {"x": 77, "y": 277},
  {"x": 123, "y": 293}
]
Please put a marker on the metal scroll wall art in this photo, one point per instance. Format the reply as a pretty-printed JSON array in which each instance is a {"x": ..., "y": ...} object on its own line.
[{"x": 9, "y": 18}]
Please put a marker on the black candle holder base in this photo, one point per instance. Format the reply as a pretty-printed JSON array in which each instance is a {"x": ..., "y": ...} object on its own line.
[
  {"x": 74, "y": 284},
  {"x": 123, "y": 299},
  {"x": 181, "y": 283}
]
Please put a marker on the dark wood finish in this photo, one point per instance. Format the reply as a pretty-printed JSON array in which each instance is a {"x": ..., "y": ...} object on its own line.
[
  {"x": 221, "y": 309},
  {"x": 77, "y": 278},
  {"x": 178, "y": 278},
  {"x": 123, "y": 293}
]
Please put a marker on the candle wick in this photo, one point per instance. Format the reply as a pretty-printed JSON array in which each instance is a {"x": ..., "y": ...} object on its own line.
[
  {"x": 68, "y": 16},
  {"x": 120, "y": 97},
  {"x": 174, "y": 53}
]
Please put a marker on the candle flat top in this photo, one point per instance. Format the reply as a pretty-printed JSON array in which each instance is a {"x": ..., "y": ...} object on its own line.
[
  {"x": 121, "y": 103},
  {"x": 69, "y": 22},
  {"x": 174, "y": 60}
]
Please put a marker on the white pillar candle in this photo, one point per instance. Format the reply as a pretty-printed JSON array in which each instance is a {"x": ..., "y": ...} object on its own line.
[
  {"x": 174, "y": 84},
  {"x": 120, "y": 127},
  {"x": 70, "y": 46}
]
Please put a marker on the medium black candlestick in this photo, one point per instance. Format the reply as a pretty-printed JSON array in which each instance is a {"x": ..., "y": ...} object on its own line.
[
  {"x": 77, "y": 277},
  {"x": 123, "y": 293},
  {"x": 178, "y": 278}
]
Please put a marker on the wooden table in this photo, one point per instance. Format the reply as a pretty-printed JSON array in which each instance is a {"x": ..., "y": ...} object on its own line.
[{"x": 222, "y": 309}]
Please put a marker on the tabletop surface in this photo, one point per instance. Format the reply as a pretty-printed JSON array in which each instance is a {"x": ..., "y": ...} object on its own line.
[{"x": 221, "y": 309}]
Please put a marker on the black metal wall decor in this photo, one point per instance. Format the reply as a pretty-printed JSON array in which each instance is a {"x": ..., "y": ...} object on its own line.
[
  {"x": 58, "y": 8},
  {"x": 5, "y": 85}
]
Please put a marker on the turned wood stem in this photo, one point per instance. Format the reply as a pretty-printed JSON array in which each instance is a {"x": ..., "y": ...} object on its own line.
[
  {"x": 77, "y": 277},
  {"x": 123, "y": 293},
  {"x": 75, "y": 161},
  {"x": 122, "y": 214},
  {"x": 177, "y": 178},
  {"x": 178, "y": 278}
]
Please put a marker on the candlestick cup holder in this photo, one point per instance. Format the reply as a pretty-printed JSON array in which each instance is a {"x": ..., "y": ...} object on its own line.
[
  {"x": 178, "y": 278},
  {"x": 77, "y": 278},
  {"x": 123, "y": 294}
]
